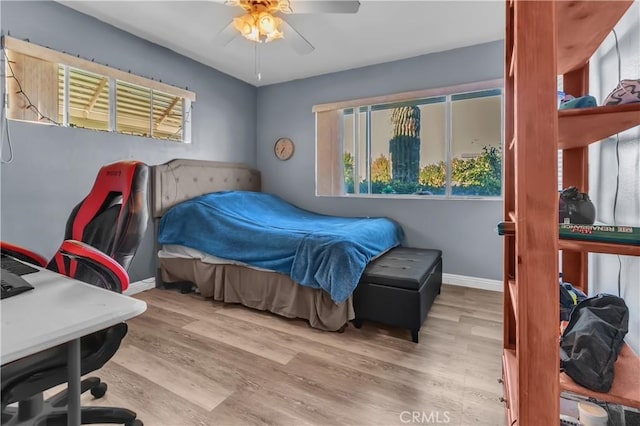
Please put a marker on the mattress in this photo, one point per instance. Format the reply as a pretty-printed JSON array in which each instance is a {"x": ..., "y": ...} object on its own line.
[{"x": 175, "y": 251}]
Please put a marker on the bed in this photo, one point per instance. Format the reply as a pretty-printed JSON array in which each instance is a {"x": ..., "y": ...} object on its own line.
[{"x": 180, "y": 183}]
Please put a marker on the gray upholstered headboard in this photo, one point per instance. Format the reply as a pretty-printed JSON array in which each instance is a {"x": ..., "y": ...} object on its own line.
[{"x": 178, "y": 180}]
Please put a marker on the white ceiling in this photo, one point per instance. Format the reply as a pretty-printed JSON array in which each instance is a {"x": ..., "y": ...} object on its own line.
[{"x": 381, "y": 31}]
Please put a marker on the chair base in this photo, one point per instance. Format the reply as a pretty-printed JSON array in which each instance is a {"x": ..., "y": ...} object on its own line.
[{"x": 53, "y": 412}]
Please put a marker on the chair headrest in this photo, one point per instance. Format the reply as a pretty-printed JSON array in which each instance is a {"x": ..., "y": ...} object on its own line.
[{"x": 119, "y": 177}]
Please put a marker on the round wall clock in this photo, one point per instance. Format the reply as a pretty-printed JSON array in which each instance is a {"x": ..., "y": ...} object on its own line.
[{"x": 283, "y": 149}]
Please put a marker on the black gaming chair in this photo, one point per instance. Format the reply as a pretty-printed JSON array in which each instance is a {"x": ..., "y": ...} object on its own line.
[
  {"x": 112, "y": 218},
  {"x": 102, "y": 235}
]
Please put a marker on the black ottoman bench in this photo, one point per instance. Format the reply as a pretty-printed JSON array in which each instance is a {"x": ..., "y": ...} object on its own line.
[{"x": 398, "y": 288}]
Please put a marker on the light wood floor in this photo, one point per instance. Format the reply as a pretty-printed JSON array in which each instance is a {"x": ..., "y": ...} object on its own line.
[{"x": 187, "y": 361}]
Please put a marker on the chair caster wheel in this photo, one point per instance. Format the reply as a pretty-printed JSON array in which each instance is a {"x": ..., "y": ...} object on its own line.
[
  {"x": 136, "y": 422},
  {"x": 99, "y": 391}
]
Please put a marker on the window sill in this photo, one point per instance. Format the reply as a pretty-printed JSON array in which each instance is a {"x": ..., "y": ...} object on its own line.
[
  {"x": 413, "y": 197},
  {"x": 57, "y": 125}
]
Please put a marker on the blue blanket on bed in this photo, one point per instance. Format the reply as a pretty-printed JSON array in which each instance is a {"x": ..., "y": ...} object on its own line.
[{"x": 263, "y": 230}]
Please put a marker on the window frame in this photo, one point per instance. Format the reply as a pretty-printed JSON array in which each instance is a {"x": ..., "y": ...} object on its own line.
[
  {"x": 114, "y": 75},
  {"x": 407, "y": 97}
]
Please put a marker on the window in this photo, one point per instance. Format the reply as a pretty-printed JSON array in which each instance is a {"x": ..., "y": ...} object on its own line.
[
  {"x": 52, "y": 87},
  {"x": 448, "y": 144},
  {"x": 476, "y": 143},
  {"x": 88, "y": 104}
]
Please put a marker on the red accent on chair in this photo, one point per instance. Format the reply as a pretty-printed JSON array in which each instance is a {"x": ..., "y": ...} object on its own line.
[
  {"x": 116, "y": 177},
  {"x": 22, "y": 253},
  {"x": 79, "y": 250}
]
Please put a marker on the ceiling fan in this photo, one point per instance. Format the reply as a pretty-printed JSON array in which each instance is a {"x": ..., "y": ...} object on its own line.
[{"x": 261, "y": 21}]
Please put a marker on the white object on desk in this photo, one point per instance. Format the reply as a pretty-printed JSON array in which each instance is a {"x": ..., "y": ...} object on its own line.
[
  {"x": 60, "y": 310},
  {"x": 592, "y": 414}
]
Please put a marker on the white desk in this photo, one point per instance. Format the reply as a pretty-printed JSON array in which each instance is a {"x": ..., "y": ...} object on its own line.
[{"x": 60, "y": 310}]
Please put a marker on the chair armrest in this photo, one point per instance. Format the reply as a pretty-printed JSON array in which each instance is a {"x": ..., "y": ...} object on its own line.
[
  {"x": 23, "y": 254},
  {"x": 112, "y": 273}
]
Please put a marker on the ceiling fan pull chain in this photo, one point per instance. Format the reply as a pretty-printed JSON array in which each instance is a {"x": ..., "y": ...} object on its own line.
[{"x": 257, "y": 61}]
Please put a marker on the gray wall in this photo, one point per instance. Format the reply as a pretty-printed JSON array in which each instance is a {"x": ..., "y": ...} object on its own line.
[
  {"x": 53, "y": 167},
  {"x": 464, "y": 230},
  {"x": 34, "y": 207},
  {"x": 604, "y": 171}
]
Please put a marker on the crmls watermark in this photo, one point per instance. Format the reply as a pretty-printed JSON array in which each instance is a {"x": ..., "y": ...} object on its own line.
[{"x": 425, "y": 417}]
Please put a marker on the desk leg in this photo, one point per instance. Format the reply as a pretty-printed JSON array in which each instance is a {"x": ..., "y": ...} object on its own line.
[{"x": 73, "y": 366}]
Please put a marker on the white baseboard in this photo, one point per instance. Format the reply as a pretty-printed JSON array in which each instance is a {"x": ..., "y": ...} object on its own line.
[
  {"x": 472, "y": 282},
  {"x": 140, "y": 286}
]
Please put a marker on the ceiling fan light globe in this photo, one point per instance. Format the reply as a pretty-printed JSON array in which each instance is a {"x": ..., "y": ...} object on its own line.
[
  {"x": 274, "y": 35},
  {"x": 246, "y": 26},
  {"x": 242, "y": 24},
  {"x": 254, "y": 35},
  {"x": 267, "y": 23}
]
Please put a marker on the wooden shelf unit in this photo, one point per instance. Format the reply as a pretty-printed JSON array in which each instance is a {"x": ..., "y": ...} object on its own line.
[
  {"x": 551, "y": 38},
  {"x": 509, "y": 229},
  {"x": 582, "y": 126},
  {"x": 582, "y": 27}
]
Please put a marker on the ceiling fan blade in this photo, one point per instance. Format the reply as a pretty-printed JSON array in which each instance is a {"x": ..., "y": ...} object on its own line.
[
  {"x": 297, "y": 41},
  {"x": 322, "y": 6},
  {"x": 227, "y": 34}
]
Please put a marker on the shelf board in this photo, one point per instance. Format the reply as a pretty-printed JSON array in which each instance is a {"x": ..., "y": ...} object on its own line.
[
  {"x": 626, "y": 385},
  {"x": 582, "y": 27},
  {"x": 596, "y": 247},
  {"x": 510, "y": 378},
  {"x": 513, "y": 289},
  {"x": 580, "y": 127},
  {"x": 509, "y": 229}
]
